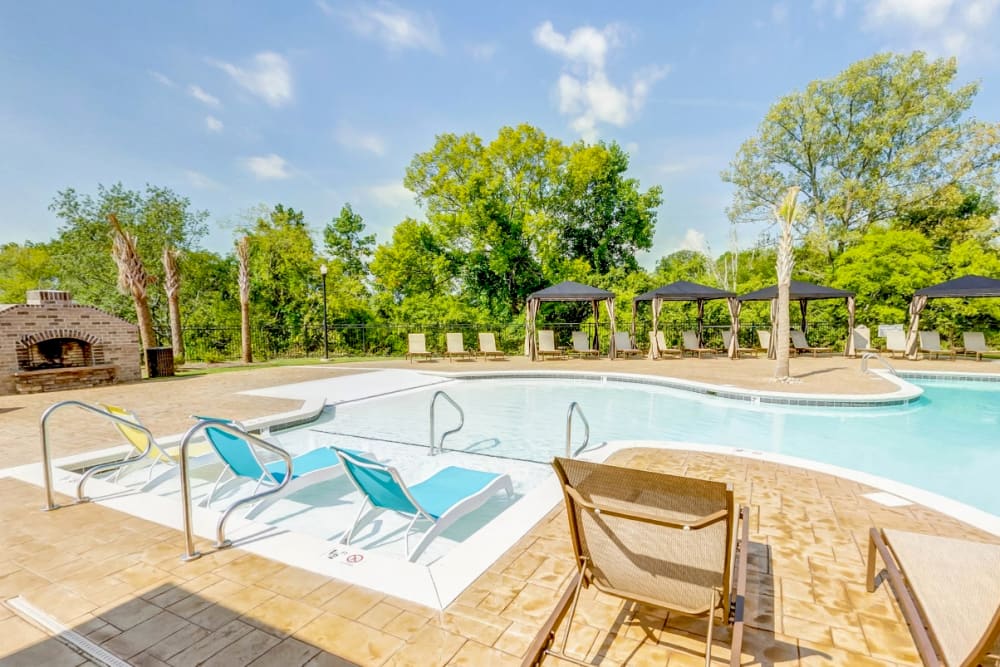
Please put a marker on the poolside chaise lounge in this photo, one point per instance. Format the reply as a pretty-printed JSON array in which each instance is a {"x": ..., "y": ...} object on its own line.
[
  {"x": 581, "y": 345},
  {"x": 547, "y": 344},
  {"x": 488, "y": 347},
  {"x": 863, "y": 340},
  {"x": 895, "y": 342},
  {"x": 727, "y": 337},
  {"x": 417, "y": 347},
  {"x": 678, "y": 543},
  {"x": 443, "y": 498},
  {"x": 948, "y": 591},
  {"x": 692, "y": 345},
  {"x": 456, "y": 347},
  {"x": 975, "y": 344},
  {"x": 660, "y": 340},
  {"x": 930, "y": 345},
  {"x": 624, "y": 347},
  {"x": 800, "y": 344}
]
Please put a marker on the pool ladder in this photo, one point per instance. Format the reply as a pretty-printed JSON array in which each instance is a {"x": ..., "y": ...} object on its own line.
[
  {"x": 574, "y": 408},
  {"x": 437, "y": 446},
  {"x": 875, "y": 355}
]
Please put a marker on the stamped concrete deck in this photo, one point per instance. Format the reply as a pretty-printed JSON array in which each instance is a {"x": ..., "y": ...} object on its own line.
[{"x": 119, "y": 580}]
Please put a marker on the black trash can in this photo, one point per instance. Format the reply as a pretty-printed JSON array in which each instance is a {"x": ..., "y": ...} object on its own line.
[{"x": 160, "y": 361}]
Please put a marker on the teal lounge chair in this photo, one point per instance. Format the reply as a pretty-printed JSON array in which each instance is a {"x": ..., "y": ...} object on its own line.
[
  {"x": 241, "y": 462},
  {"x": 442, "y": 499}
]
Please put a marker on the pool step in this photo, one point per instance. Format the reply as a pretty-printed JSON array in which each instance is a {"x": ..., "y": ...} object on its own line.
[{"x": 60, "y": 632}]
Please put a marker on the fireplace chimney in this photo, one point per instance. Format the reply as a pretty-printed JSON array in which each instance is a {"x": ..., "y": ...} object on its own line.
[{"x": 40, "y": 297}]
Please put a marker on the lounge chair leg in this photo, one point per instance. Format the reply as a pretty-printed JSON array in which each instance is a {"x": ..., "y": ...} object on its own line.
[
  {"x": 572, "y": 609},
  {"x": 870, "y": 577},
  {"x": 708, "y": 637},
  {"x": 350, "y": 532}
]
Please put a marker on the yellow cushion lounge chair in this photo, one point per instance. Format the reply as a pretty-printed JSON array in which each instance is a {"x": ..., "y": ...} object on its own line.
[
  {"x": 581, "y": 345},
  {"x": 624, "y": 347},
  {"x": 673, "y": 542},
  {"x": 488, "y": 347},
  {"x": 692, "y": 345},
  {"x": 800, "y": 344},
  {"x": 456, "y": 346},
  {"x": 547, "y": 344},
  {"x": 727, "y": 337},
  {"x": 948, "y": 591},
  {"x": 975, "y": 344},
  {"x": 930, "y": 345},
  {"x": 660, "y": 340},
  {"x": 417, "y": 347}
]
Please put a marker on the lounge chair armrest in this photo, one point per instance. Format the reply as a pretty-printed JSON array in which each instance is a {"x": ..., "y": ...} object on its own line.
[
  {"x": 700, "y": 522},
  {"x": 740, "y": 584}
]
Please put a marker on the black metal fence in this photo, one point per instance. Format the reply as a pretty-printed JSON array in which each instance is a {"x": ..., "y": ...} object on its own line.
[{"x": 222, "y": 343}]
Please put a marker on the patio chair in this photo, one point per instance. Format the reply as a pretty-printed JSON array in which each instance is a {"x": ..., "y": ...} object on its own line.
[
  {"x": 948, "y": 591},
  {"x": 443, "y": 498},
  {"x": 800, "y": 344},
  {"x": 764, "y": 338},
  {"x": 581, "y": 345},
  {"x": 456, "y": 347},
  {"x": 692, "y": 345},
  {"x": 623, "y": 345},
  {"x": 930, "y": 346},
  {"x": 240, "y": 463},
  {"x": 417, "y": 347},
  {"x": 661, "y": 345},
  {"x": 975, "y": 344},
  {"x": 488, "y": 347},
  {"x": 547, "y": 344},
  {"x": 727, "y": 337},
  {"x": 145, "y": 449},
  {"x": 677, "y": 543},
  {"x": 863, "y": 340},
  {"x": 895, "y": 342}
]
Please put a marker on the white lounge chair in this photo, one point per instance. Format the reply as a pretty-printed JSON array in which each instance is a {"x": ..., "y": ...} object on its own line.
[
  {"x": 442, "y": 499},
  {"x": 863, "y": 340},
  {"x": 975, "y": 344},
  {"x": 692, "y": 345},
  {"x": 895, "y": 342},
  {"x": 547, "y": 344},
  {"x": 623, "y": 345},
  {"x": 930, "y": 345},
  {"x": 456, "y": 347},
  {"x": 727, "y": 338},
  {"x": 488, "y": 347},
  {"x": 800, "y": 344},
  {"x": 417, "y": 347},
  {"x": 657, "y": 338},
  {"x": 581, "y": 345}
]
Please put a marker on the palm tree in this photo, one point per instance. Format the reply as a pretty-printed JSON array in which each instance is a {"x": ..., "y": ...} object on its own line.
[
  {"x": 133, "y": 279},
  {"x": 243, "y": 255},
  {"x": 172, "y": 286},
  {"x": 785, "y": 214}
]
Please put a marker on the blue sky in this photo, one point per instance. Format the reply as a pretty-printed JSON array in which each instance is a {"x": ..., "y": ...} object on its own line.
[{"x": 317, "y": 103}]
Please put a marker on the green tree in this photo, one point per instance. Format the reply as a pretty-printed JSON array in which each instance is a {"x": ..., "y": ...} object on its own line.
[
  {"x": 24, "y": 267},
  {"x": 348, "y": 248},
  {"x": 888, "y": 134}
]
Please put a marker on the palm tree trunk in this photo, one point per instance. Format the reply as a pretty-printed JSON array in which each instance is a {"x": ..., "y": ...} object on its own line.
[
  {"x": 146, "y": 332},
  {"x": 243, "y": 255},
  {"x": 172, "y": 286},
  {"x": 785, "y": 215}
]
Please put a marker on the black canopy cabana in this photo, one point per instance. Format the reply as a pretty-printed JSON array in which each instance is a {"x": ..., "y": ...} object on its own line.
[
  {"x": 568, "y": 291},
  {"x": 682, "y": 290},
  {"x": 959, "y": 288},
  {"x": 804, "y": 292}
]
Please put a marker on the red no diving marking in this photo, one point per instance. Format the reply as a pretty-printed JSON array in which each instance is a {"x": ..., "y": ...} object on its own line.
[{"x": 355, "y": 558}]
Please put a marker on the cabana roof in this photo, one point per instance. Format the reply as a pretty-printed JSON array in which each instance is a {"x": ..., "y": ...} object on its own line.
[
  {"x": 966, "y": 286},
  {"x": 571, "y": 291},
  {"x": 798, "y": 291},
  {"x": 682, "y": 290}
]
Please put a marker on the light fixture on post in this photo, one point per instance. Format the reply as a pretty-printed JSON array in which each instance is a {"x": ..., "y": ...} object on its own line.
[{"x": 326, "y": 334}]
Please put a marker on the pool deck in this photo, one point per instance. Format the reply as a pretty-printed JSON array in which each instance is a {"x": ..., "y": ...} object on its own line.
[{"x": 118, "y": 579}]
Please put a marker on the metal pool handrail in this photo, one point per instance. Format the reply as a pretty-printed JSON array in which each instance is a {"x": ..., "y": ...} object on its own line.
[
  {"x": 461, "y": 413},
  {"x": 875, "y": 355},
  {"x": 50, "y": 503},
  {"x": 575, "y": 407},
  {"x": 220, "y": 528}
]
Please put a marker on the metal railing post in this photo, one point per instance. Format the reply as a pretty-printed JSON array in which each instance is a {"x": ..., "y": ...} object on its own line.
[
  {"x": 575, "y": 407},
  {"x": 461, "y": 423}
]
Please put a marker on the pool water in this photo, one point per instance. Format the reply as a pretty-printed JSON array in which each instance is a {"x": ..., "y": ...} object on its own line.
[{"x": 946, "y": 442}]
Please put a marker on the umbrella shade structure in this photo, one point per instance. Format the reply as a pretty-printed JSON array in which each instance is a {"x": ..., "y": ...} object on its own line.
[
  {"x": 965, "y": 287},
  {"x": 569, "y": 291},
  {"x": 804, "y": 292},
  {"x": 683, "y": 290}
]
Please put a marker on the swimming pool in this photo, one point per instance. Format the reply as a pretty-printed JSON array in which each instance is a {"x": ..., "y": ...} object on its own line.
[{"x": 946, "y": 442}]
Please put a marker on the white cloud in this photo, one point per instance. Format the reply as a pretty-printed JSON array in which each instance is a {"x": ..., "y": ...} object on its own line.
[
  {"x": 837, "y": 7},
  {"x": 584, "y": 92},
  {"x": 483, "y": 51},
  {"x": 213, "y": 124},
  {"x": 395, "y": 27},
  {"x": 162, "y": 79},
  {"x": 922, "y": 13},
  {"x": 268, "y": 167},
  {"x": 269, "y": 77},
  {"x": 941, "y": 27},
  {"x": 349, "y": 137},
  {"x": 200, "y": 181},
  {"x": 325, "y": 8},
  {"x": 694, "y": 240},
  {"x": 199, "y": 93},
  {"x": 779, "y": 13},
  {"x": 390, "y": 195}
]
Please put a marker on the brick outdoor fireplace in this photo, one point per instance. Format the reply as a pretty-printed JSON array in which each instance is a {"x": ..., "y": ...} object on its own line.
[{"x": 51, "y": 343}]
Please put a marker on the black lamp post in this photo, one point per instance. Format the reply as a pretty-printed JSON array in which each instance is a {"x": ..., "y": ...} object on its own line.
[{"x": 326, "y": 334}]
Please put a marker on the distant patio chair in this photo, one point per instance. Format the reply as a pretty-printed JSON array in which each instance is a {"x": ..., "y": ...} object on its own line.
[
  {"x": 948, "y": 591},
  {"x": 581, "y": 345},
  {"x": 488, "y": 347},
  {"x": 727, "y": 337},
  {"x": 692, "y": 345},
  {"x": 800, "y": 344},
  {"x": 547, "y": 344},
  {"x": 623, "y": 345},
  {"x": 764, "y": 338},
  {"x": 975, "y": 344},
  {"x": 930, "y": 345},
  {"x": 456, "y": 347},
  {"x": 863, "y": 340},
  {"x": 417, "y": 344},
  {"x": 895, "y": 342},
  {"x": 446, "y": 496},
  {"x": 661, "y": 345},
  {"x": 677, "y": 543}
]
